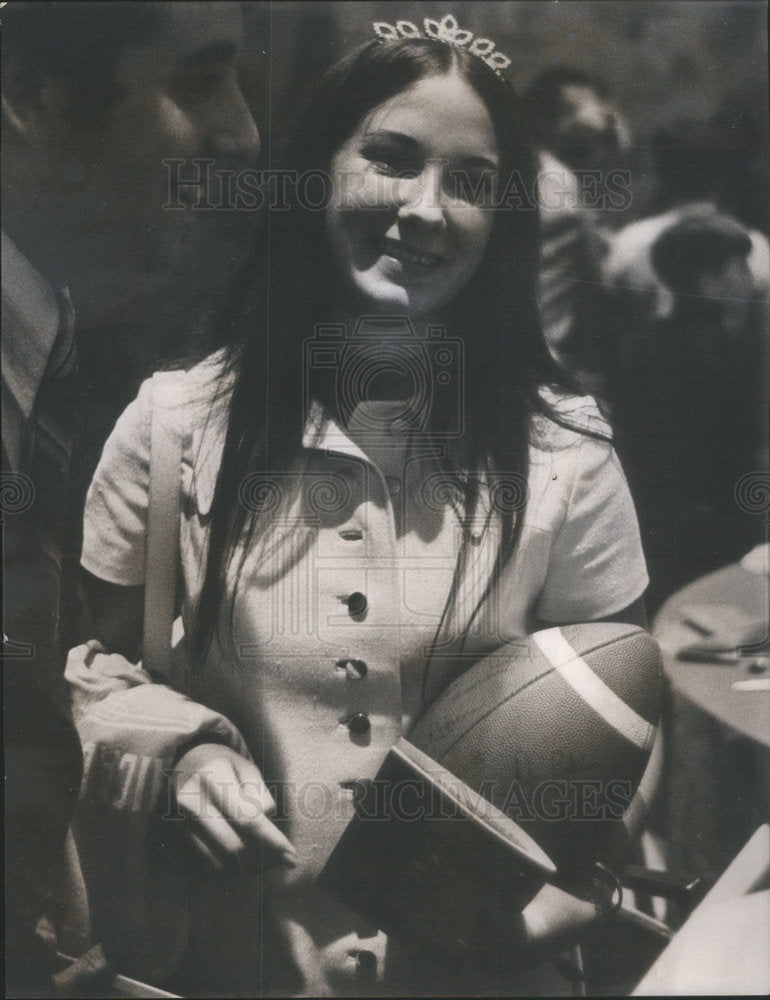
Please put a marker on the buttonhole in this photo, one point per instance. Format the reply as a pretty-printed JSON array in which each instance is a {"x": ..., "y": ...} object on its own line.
[
  {"x": 367, "y": 799},
  {"x": 352, "y": 534},
  {"x": 356, "y": 789}
]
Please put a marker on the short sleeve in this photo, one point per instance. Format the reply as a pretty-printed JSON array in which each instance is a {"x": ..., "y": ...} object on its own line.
[
  {"x": 115, "y": 519},
  {"x": 596, "y": 565}
]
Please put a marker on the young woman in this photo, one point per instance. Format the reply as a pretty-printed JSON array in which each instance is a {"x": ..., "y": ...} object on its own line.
[{"x": 368, "y": 506}]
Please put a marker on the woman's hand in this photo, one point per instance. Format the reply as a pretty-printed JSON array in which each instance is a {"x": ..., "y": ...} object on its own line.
[{"x": 227, "y": 803}]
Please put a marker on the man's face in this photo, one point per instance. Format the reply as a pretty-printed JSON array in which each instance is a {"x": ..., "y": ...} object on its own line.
[
  {"x": 591, "y": 132},
  {"x": 179, "y": 100}
]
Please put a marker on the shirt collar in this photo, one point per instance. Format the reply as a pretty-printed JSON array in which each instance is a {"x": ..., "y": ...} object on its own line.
[
  {"x": 322, "y": 433},
  {"x": 30, "y": 325},
  {"x": 372, "y": 425}
]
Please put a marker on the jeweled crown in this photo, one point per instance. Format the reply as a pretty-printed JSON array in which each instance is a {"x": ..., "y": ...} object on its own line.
[{"x": 449, "y": 31}]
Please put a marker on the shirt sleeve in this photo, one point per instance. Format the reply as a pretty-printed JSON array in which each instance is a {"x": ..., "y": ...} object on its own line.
[
  {"x": 115, "y": 519},
  {"x": 596, "y": 564}
]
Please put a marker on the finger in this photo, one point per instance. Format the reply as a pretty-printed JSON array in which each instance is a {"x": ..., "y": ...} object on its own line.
[
  {"x": 217, "y": 832},
  {"x": 228, "y": 812},
  {"x": 222, "y": 845},
  {"x": 239, "y": 795},
  {"x": 193, "y": 799},
  {"x": 214, "y": 789},
  {"x": 272, "y": 838},
  {"x": 203, "y": 849}
]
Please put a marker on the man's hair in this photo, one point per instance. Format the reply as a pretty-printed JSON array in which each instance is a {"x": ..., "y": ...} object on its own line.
[
  {"x": 76, "y": 42},
  {"x": 544, "y": 97}
]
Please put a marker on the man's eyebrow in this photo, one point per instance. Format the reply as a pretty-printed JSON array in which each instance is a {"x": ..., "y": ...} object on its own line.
[{"x": 216, "y": 52}]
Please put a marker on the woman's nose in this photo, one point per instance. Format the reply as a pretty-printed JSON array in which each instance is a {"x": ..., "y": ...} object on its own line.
[{"x": 421, "y": 197}]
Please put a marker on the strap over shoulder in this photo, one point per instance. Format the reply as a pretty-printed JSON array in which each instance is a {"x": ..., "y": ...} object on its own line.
[{"x": 162, "y": 539}]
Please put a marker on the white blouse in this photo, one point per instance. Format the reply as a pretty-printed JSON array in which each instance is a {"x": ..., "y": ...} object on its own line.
[{"x": 340, "y": 596}]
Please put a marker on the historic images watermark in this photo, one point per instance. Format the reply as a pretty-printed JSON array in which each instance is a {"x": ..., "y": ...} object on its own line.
[
  {"x": 201, "y": 185},
  {"x": 129, "y": 782}
]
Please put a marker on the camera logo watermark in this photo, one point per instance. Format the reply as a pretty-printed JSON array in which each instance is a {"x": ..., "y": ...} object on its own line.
[
  {"x": 752, "y": 493},
  {"x": 17, "y": 493},
  {"x": 353, "y": 365}
]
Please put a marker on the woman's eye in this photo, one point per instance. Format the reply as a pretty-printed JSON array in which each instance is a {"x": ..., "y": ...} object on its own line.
[
  {"x": 395, "y": 168},
  {"x": 383, "y": 167},
  {"x": 392, "y": 163}
]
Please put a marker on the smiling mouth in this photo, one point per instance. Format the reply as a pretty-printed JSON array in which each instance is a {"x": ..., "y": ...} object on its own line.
[{"x": 408, "y": 255}]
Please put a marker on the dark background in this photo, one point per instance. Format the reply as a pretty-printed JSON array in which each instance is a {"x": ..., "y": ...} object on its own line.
[
  {"x": 672, "y": 65},
  {"x": 664, "y": 59},
  {"x": 691, "y": 78}
]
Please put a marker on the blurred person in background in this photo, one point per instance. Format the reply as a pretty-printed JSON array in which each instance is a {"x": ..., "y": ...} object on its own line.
[
  {"x": 686, "y": 383},
  {"x": 684, "y": 311},
  {"x": 94, "y": 96},
  {"x": 686, "y": 293},
  {"x": 722, "y": 160},
  {"x": 584, "y": 186}
]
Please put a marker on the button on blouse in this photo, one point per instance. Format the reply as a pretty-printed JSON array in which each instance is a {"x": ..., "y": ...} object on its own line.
[{"x": 340, "y": 595}]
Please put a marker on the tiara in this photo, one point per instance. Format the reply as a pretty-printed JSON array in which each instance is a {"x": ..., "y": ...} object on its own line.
[{"x": 446, "y": 30}]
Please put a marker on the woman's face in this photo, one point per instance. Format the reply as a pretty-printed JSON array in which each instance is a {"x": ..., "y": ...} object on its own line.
[{"x": 410, "y": 215}]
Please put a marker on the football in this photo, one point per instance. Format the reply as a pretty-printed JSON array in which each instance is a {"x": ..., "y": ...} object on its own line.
[{"x": 556, "y": 731}]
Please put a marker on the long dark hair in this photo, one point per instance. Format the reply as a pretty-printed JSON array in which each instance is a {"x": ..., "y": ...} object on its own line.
[{"x": 290, "y": 291}]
